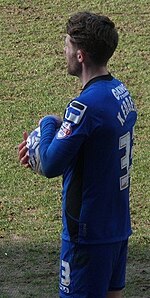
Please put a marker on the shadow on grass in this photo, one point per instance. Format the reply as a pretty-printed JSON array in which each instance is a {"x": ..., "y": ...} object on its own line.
[
  {"x": 31, "y": 270},
  {"x": 138, "y": 271}
]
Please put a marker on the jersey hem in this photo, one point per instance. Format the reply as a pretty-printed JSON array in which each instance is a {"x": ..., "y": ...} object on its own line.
[{"x": 110, "y": 240}]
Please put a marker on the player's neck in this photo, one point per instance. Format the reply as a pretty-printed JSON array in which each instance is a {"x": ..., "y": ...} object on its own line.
[{"x": 92, "y": 72}]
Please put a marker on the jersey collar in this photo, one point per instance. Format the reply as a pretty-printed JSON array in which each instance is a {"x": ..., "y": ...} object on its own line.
[{"x": 107, "y": 77}]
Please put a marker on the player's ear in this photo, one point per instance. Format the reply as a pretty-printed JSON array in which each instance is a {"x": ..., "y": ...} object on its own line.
[{"x": 80, "y": 55}]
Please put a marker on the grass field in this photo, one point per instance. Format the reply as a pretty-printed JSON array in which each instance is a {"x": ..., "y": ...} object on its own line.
[{"x": 34, "y": 82}]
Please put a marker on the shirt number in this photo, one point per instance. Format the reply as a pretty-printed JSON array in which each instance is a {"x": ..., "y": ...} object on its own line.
[{"x": 125, "y": 142}]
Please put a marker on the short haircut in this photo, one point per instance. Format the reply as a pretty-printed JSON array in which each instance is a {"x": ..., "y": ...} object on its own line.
[{"x": 95, "y": 34}]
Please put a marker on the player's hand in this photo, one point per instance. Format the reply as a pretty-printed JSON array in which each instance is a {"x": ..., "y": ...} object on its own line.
[{"x": 22, "y": 151}]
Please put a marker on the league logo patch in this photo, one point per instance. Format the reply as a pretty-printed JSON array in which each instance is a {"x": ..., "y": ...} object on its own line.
[
  {"x": 75, "y": 112},
  {"x": 64, "y": 131}
]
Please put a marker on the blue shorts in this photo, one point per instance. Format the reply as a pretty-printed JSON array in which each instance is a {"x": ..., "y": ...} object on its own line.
[{"x": 90, "y": 271}]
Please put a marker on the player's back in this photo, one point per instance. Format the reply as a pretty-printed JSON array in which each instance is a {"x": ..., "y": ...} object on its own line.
[{"x": 97, "y": 191}]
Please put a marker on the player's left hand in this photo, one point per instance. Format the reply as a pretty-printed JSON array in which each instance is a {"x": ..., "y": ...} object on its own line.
[{"x": 22, "y": 151}]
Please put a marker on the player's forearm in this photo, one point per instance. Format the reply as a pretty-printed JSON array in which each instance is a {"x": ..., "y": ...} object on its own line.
[{"x": 50, "y": 154}]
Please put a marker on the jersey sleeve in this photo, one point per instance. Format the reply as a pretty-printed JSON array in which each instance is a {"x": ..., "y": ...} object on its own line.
[{"x": 57, "y": 150}]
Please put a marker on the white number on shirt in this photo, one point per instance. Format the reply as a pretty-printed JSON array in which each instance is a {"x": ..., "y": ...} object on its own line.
[{"x": 124, "y": 142}]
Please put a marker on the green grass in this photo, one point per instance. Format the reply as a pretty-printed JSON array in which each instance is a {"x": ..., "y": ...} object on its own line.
[{"x": 34, "y": 82}]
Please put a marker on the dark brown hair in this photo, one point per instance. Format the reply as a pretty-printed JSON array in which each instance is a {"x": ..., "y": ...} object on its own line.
[{"x": 95, "y": 34}]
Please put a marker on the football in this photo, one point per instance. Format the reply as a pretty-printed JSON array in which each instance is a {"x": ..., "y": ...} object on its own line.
[{"x": 33, "y": 150}]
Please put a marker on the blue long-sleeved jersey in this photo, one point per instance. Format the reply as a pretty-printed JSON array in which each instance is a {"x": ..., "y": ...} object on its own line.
[{"x": 93, "y": 151}]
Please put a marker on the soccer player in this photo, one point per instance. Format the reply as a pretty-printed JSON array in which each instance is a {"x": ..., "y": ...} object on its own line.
[{"x": 93, "y": 151}]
